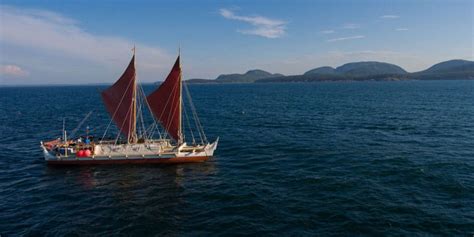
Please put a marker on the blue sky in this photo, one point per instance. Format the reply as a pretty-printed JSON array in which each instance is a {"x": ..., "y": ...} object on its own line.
[{"x": 79, "y": 42}]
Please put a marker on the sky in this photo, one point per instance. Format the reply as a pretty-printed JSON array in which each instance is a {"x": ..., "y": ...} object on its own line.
[{"x": 89, "y": 42}]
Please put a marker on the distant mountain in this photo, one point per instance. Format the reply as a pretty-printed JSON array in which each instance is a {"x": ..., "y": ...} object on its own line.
[
  {"x": 321, "y": 71},
  {"x": 451, "y": 66},
  {"x": 369, "y": 68},
  {"x": 357, "y": 71},
  {"x": 361, "y": 71},
  {"x": 452, "y": 69},
  {"x": 248, "y": 77}
]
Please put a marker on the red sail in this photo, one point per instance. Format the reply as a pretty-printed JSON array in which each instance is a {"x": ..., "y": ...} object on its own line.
[
  {"x": 165, "y": 102},
  {"x": 119, "y": 101}
]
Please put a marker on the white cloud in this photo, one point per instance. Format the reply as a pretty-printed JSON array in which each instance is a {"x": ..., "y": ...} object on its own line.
[
  {"x": 12, "y": 70},
  {"x": 56, "y": 38},
  {"x": 327, "y": 31},
  {"x": 346, "y": 38},
  {"x": 351, "y": 26},
  {"x": 401, "y": 29},
  {"x": 264, "y": 27},
  {"x": 389, "y": 16}
]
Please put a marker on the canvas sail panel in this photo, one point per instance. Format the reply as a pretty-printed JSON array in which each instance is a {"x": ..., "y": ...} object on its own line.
[
  {"x": 119, "y": 101},
  {"x": 165, "y": 102}
]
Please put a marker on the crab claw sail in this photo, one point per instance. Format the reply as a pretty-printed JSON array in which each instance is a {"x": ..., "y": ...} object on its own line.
[
  {"x": 119, "y": 100},
  {"x": 165, "y": 102}
]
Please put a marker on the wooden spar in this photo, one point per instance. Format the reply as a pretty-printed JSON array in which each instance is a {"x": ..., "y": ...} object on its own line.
[
  {"x": 134, "y": 103},
  {"x": 180, "y": 132}
]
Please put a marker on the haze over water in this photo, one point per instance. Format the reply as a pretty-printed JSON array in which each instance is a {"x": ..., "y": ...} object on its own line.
[{"x": 367, "y": 158}]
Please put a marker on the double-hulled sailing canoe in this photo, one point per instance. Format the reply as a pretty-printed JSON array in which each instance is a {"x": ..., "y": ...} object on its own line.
[{"x": 125, "y": 101}]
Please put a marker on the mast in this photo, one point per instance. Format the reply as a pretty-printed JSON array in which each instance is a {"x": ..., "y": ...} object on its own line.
[
  {"x": 133, "y": 138},
  {"x": 65, "y": 137},
  {"x": 180, "y": 99}
]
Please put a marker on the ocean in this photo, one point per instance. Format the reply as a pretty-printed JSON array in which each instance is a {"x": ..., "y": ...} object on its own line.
[{"x": 297, "y": 159}]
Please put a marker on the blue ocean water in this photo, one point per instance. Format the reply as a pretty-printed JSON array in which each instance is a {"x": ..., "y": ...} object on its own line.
[{"x": 302, "y": 159}]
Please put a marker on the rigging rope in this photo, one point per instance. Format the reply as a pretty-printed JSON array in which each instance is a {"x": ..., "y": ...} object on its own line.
[
  {"x": 189, "y": 124},
  {"x": 153, "y": 126},
  {"x": 195, "y": 115},
  {"x": 73, "y": 132}
]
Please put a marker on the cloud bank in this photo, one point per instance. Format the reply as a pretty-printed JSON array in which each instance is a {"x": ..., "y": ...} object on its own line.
[{"x": 43, "y": 33}]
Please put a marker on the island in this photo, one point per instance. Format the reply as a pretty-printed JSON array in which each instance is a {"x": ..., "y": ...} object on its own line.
[{"x": 356, "y": 71}]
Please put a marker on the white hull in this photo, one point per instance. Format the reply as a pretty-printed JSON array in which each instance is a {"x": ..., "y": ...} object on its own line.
[{"x": 136, "y": 153}]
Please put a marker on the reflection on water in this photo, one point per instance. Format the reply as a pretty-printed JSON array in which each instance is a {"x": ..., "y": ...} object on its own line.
[
  {"x": 157, "y": 195},
  {"x": 125, "y": 179}
]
